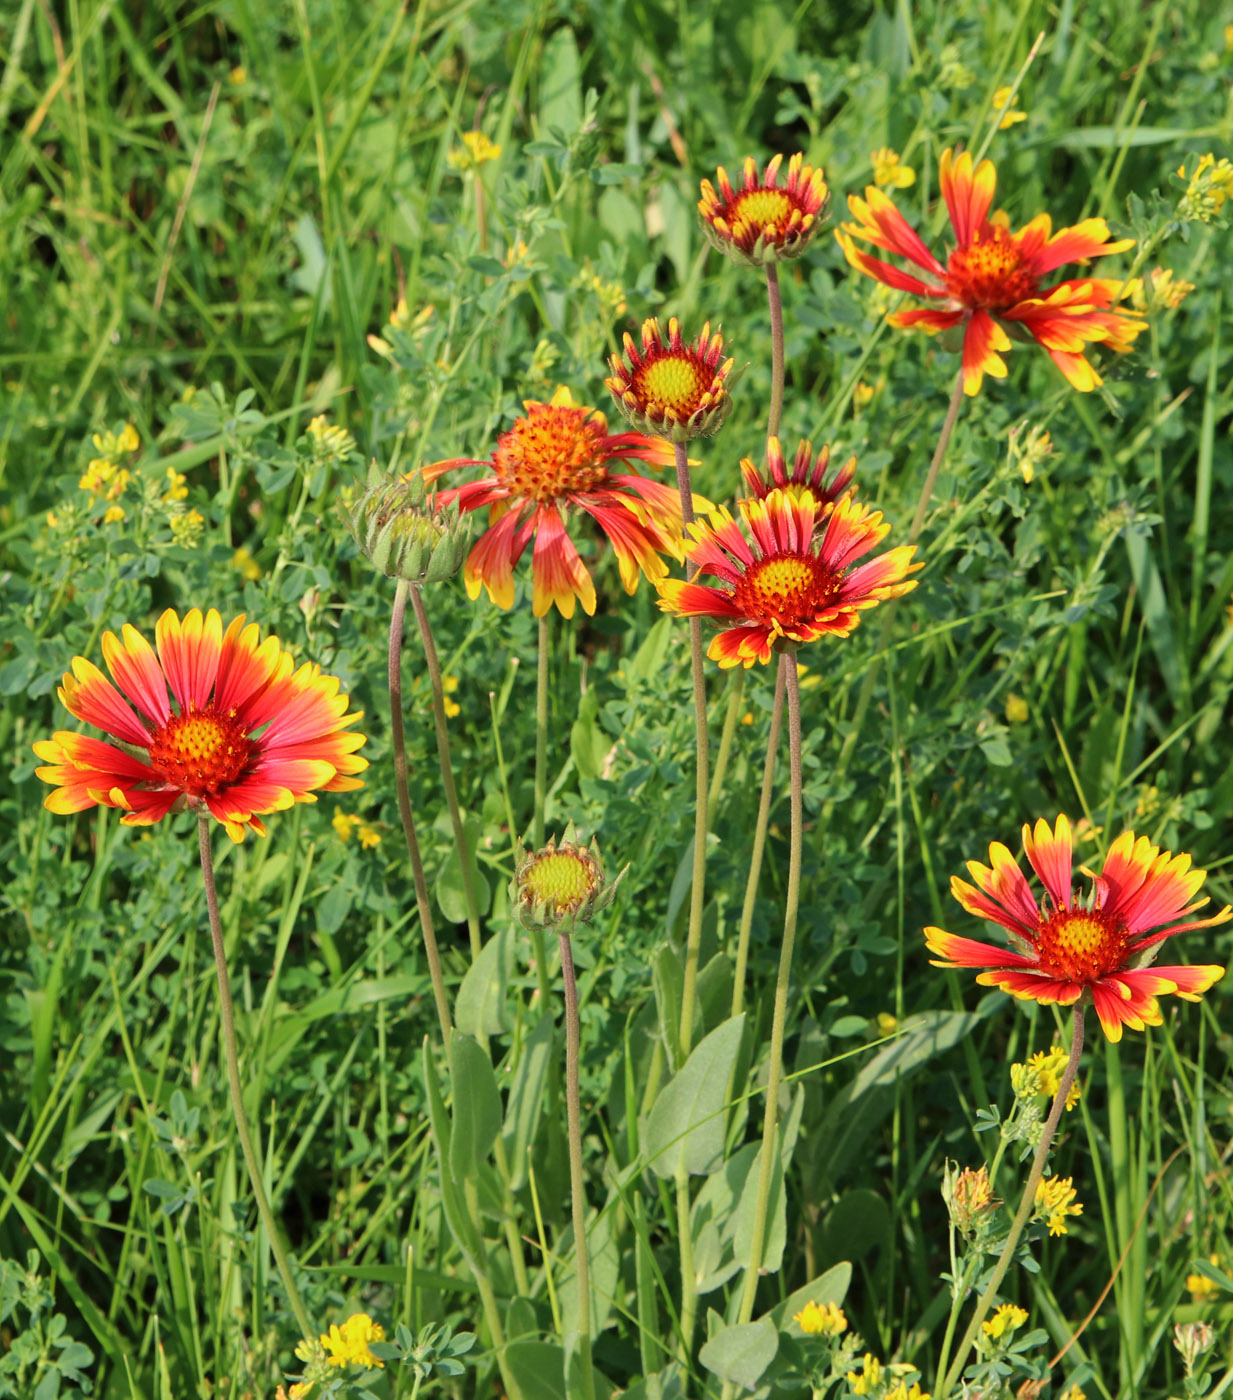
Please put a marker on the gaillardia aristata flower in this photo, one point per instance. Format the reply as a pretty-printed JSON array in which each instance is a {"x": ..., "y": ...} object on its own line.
[
  {"x": 1099, "y": 945},
  {"x": 248, "y": 733},
  {"x": 764, "y": 221},
  {"x": 794, "y": 582},
  {"x": 561, "y": 884},
  {"x": 556, "y": 460},
  {"x": 991, "y": 283},
  {"x": 679, "y": 391},
  {"x": 808, "y": 473}
]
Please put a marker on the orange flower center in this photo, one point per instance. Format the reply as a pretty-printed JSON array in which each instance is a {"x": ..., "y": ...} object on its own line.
[
  {"x": 786, "y": 590},
  {"x": 1081, "y": 945},
  {"x": 767, "y": 210},
  {"x": 674, "y": 383},
  {"x": 551, "y": 453},
  {"x": 988, "y": 273},
  {"x": 202, "y": 752}
]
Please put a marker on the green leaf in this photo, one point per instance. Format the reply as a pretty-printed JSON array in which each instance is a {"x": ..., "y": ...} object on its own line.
[
  {"x": 456, "y": 1216},
  {"x": 587, "y": 741},
  {"x": 668, "y": 978},
  {"x": 482, "y": 1007},
  {"x": 686, "y": 1126},
  {"x": 448, "y": 888},
  {"x": 476, "y": 1117},
  {"x": 742, "y": 1352},
  {"x": 526, "y": 1097},
  {"x": 560, "y": 103}
]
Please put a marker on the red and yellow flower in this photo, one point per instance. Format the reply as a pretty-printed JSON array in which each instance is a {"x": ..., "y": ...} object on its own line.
[
  {"x": 1099, "y": 945},
  {"x": 677, "y": 390},
  {"x": 808, "y": 473},
  {"x": 764, "y": 221},
  {"x": 991, "y": 283},
  {"x": 247, "y": 734},
  {"x": 556, "y": 460},
  {"x": 794, "y": 583}
]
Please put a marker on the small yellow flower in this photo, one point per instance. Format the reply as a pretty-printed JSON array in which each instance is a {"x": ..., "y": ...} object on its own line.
[
  {"x": 99, "y": 471},
  {"x": 886, "y": 1023},
  {"x": 888, "y": 170},
  {"x": 969, "y": 1198},
  {"x": 1008, "y": 1318},
  {"x": 246, "y": 565},
  {"x": 118, "y": 483},
  {"x": 329, "y": 440},
  {"x": 348, "y": 1345},
  {"x": 53, "y": 521},
  {"x": 1161, "y": 292},
  {"x": 368, "y": 836},
  {"x": 862, "y": 394},
  {"x": 868, "y": 1378},
  {"x": 113, "y": 515},
  {"x": 1055, "y": 1201},
  {"x": 1016, "y": 709},
  {"x": 1010, "y": 116},
  {"x": 1029, "y": 447},
  {"x": 1200, "y": 1287},
  {"x": 344, "y": 824},
  {"x": 449, "y": 684},
  {"x": 238, "y": 75},
  {"x": 186, "y": 528},
  {"x": 1208, "y": 188},
  {"x": 1072, "y": 1392},
  {"x": 824, "y": 1320},
  {"x": 900, "y": 1391},
  {"x": 747, "y": 717},
  {"x": 128, "y": 440},
  {"x": 475, "y": 150},
  {"x": 177, "y": 490}
]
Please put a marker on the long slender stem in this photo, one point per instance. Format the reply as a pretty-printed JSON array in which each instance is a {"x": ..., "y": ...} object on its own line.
[
  {"x": 1026, "y": 1207},
  {"x": 736, "y": 693},
  {"x": 759, "y": 846},
  {"x": 777, "y": 351},
  {"x": 398, "y": 743},
  {"x": 541, "y": 733},
  {"x": 787, "y": 664},
  {"x": 465, "y": 858},
  {"x": 573, "y": 1104},
  {"x": 889, "y": 609},
  {"x": 689, "y": 1272},
  {"x": 697, "y": 893},
  {"x": 252, "y": 1157}
]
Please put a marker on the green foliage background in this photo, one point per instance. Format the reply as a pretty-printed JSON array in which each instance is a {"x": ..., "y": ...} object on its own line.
[{"x": 205, "y": 213}]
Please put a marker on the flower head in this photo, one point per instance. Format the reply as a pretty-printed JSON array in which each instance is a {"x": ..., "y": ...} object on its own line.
[
  {"x": 821, "y": 1320},
  {"x": 868, "y": 1378},
  {"x": 764, "y": 221},
  {"x": 348, "y": 1345},
  {"x": 808, "y": 473},
  {"x": 1008, "y": 1318},
  {"x": 1097, "y": 945},
  {"x": 561, "y": 884},
  {"x": 790, "y": 585},
  {"x": 990, "y": 286},
  {"x": 678, "y": 390},
  {"x": 476, "y": 150},
  {"x": 247, "y": 733},
  {"x": 969, "y": 1198},
  {"x": 1208, "y": 186},
  {"x": 1002, "y": 98},
  {"x": 402, "y": 531},
  {"x": 555, "y": 461},
  {"x": 1202, "y": 1287},
  {"x": 1055, "y": 1202}
]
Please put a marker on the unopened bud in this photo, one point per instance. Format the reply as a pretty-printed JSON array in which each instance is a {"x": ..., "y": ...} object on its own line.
[
  {"x": 561, "y": 885},
  {"x": 400, "y": 527}
]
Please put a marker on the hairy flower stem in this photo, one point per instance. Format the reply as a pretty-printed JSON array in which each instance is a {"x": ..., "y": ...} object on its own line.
[
  {"x": 465, "y": 859},
  {"x": 573, "y": 1104},
  {"x": 541, "y": 733},
  {"x": 777, "y": 351},
  {"x": 889, "y": 609},
  {"x": 759, "y": 846},
  {"x": 948, "y": 1378},
  {"x": 697, "y": 893},
  {"x": 398, "y": 743},
  {"x": 252, "y": 1157},
  {"x": 787, "y": 664}
]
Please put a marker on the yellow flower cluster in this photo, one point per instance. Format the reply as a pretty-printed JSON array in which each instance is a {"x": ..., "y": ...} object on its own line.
[
  {"x": 103, "y": 477},
  {"x": 1028, "y": 448},
  {"x": 1208, "y": 187},
  {"x": 186, "y": 528},
  {"x": 1043, "y": 1075},
  {"x": 1010, "y": 116},
  {"x": 329, "y": 440},
  {"x": 821, "y": 1320},
  {"x": 348, "y": 1345},
  {"x": 868, "y": 1378},
  {"x": 347, "y": 825},
  {"x": 1055, "y": 1201},
  {"x": 1160, "y": 292},
  {"x": 1199, "y": 1286},
  {"x": 1007, "y": 1319},
  {"x": 177, "y": 486},
  {"x": 889, "y": 171},
  {"x": 246, "y": 565},
  {"x": 476, "y": 148}
]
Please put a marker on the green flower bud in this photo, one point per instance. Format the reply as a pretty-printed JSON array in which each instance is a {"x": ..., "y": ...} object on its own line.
[
  {"x": 561, "y": 885},
  {"x": 400, "y": 528}
]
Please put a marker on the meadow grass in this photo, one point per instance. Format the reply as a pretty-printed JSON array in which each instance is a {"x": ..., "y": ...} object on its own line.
[{"x": 256, "y": 235}]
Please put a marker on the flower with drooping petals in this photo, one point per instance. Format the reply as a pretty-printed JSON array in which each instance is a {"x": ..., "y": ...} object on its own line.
[
  {"x": 990, "y": 286},
  {"x": 764, "y": 221},
  {"x": 808, "y": 473},
  {"x": 677, "y": 390},
  {"x": 1098, "y": 945},
  {"x": 247, "y": 734},
  {"x": 555, "y": 461},
  {"x": 794, "y": 583}
]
